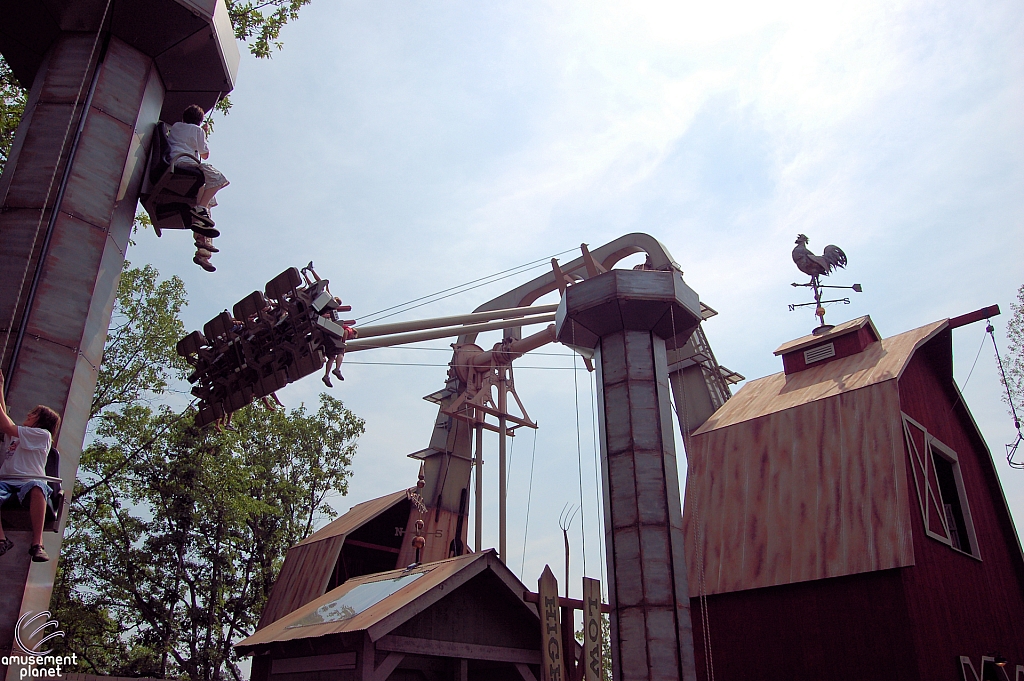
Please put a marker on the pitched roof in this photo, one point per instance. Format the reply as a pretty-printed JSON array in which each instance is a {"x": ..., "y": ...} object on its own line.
[
  {"x": 382, "y": 601},
  {"x": 835, "y": 332},
  {"x": 357, "y": 516},
  {"x": 880, "y": 361}
]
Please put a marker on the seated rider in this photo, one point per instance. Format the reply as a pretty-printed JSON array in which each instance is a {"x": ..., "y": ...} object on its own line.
[
  {"x": 334, "y": 347},
  {"x": 189, "y": 137},
  {"x": 23, "y": 468}
]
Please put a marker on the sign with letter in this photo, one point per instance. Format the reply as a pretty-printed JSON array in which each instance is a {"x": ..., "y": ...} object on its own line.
[
  {"x": 592, "y": 629},
  {"x": 551, "y": 667}
]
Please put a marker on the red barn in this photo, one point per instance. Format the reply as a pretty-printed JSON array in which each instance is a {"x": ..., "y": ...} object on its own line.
[{"x": 844, "y": 521}]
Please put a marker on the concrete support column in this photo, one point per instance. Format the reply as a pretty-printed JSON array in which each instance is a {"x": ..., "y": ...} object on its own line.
[
  {"x": 67, "y": 229},
  {"x": 101, "y": 74},
  {"x": 625, "y": 316}
]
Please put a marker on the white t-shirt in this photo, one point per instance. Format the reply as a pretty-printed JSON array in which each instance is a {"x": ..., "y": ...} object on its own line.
[
  {"x": 187, "y": 138},
  {"x": 25, "y": 454}
]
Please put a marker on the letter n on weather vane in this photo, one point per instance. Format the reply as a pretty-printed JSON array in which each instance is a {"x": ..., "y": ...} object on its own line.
[{"x": 551, "y": 668}]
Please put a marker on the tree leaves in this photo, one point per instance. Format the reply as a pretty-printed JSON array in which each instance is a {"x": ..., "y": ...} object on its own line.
[
  {"x": 139, "y": 358},
  {"x": 260, "y": 22},
  {"x": 176, "y": 534},
  {"x": 12, "y": 107}
]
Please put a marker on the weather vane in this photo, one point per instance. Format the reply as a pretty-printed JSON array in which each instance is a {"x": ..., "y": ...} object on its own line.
[{"x": 817, "y": 266}]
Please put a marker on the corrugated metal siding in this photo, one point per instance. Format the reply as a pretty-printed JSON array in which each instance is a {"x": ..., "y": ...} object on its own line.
[{"x": 811, "y": 492}]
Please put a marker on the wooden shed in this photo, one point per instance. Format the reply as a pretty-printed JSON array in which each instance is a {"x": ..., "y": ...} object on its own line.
[
  {"x": 844, "y": 520},
  {"x": 457, "y": 620},
  {"x": 367, "y": 539}
]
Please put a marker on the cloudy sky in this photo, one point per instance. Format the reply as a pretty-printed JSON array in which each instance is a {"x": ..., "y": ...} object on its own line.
[{"x": 408, "y": 147}]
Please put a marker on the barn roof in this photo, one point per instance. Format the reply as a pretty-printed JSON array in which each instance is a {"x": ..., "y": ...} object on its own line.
[
  {"x": 380, "y": 602},
  {"x": 880, "y": 361},
  {"x": 357, "y": 516}
]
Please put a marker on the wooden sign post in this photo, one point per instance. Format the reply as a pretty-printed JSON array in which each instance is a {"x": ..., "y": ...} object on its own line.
[
  {"x": 592, "y": 654},
  {"x": 551, "y": 668}
]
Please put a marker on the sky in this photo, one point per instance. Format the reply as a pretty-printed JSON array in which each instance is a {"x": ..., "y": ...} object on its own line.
[{"x": 408, "y": 147}]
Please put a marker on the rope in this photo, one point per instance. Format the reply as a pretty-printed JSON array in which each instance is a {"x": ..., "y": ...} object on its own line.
[
  {"x": 489, "y": 279},
  {"x": 579, "y": 452},
  {"x": 597, "y": 485},
  {"x": 529, "y": 497},
  {"x": 1011, "y": 449},
  {"x": 53, "y": 178},
  {"x": 960, "y": 397}
]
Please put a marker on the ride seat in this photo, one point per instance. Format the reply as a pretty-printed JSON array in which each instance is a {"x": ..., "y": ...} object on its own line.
[
  {"x": 16, "y": 517},
  {"x": 170, "y": 188}
]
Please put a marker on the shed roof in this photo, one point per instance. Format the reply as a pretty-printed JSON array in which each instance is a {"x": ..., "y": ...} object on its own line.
[
  {"x": 881, "y": 361},
  {"x": 357, "y": 516},
  {"x": 836, "y": 331},
  {"x": 380, "y": 602}
]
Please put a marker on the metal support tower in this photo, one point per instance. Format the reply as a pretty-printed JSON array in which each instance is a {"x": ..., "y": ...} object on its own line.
[
  {"x": 101, "y": 74},
  {"x": 626, "y": 317}
]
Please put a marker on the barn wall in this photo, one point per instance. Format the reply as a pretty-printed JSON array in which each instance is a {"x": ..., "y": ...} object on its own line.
[
  {"x": 842, "y": 629},
  {"x": 304, "y": 576},
  {"x": 814, "y": 491},
  {"x": 960, "y": 605}
]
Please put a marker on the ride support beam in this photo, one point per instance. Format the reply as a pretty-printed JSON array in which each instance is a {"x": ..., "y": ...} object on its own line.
[{"x": 626, "y": 316}]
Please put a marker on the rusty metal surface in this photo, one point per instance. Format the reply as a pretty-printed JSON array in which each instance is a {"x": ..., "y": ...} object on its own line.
[
  {"x": 882, "y": 361},
  {"x": 437, "y": 577}
]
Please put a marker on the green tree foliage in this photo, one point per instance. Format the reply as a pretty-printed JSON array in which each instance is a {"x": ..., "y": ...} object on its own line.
[
  {"x": 12, "y": 107},
  {"x": 259, "y": 22},
  {"x": 139, "y": 358},
  {"x": 606, "y": 647},
  {"x": 176, "y": 534},
  {"x": 1015, "y": 352}
]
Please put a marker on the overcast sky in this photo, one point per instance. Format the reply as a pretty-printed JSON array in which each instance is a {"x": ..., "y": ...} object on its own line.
[{"x": 407, "y": 147}]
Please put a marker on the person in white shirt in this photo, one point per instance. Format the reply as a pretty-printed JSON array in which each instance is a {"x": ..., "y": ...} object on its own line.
[
  {"x": 189, "y": 137},
  {"x": 23, "y": 468}
]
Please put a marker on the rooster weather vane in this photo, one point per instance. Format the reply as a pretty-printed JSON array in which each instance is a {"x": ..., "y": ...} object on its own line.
[{"x": 817, "y": 266}]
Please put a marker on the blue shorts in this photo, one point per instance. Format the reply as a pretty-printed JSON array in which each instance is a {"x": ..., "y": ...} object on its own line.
[{"x": 8, "y": 488}]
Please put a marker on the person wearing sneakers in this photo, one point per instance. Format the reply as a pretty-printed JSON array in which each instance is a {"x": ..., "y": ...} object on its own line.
[
  {"x": 189, "y": 137},
  {"x": 23, "y": 468}
]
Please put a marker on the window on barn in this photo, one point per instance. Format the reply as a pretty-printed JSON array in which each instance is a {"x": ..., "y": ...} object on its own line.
[{"x": 940, "y": 489}]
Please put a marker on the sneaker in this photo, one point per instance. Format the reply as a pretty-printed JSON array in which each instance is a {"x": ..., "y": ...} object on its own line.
[
  {"x": 337, "y": 372},
  {"x": 327, "y": 381},
  {"x": 204, "y": 263},
  {"x": 38, "y": 553},
  {"x": 202, "y": 215},
  {"x": 201, "y": 228},
  {"x": 5, "y": 546}
]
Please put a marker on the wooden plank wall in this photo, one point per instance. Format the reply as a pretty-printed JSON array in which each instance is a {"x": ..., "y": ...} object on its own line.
[
  {"x": 815, "y": 491},
  {"x": 958, "y": 604},
  {"x": 303, "y": 578}
]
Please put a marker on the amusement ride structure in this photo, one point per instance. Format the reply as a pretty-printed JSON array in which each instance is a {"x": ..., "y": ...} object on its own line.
[{"x": 852, "y": 491}]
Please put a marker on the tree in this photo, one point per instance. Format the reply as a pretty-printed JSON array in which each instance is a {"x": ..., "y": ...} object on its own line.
[
  {"x": 176, "y": 534},
  {"x": 260, "y": 22},
  {"x": 1015, "y": 352},
  {"x": 12, "y": 108},
  {"x": 139, "y": 357}
]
